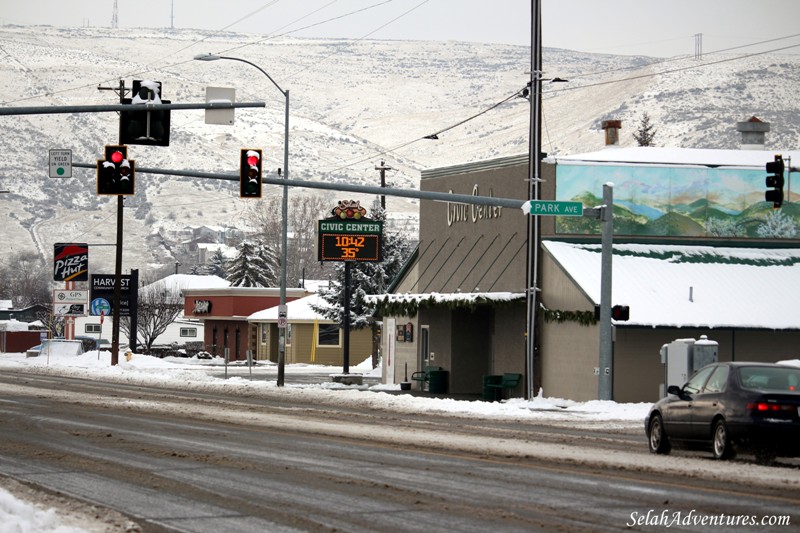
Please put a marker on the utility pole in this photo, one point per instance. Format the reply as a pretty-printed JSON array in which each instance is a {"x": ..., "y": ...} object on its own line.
[
  {"x": 534, "y": 171},
  {"x": 606, "y": 358},
  {"x": 383, "y": 168}
]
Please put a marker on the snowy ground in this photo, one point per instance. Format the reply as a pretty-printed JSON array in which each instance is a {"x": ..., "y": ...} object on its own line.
[{"x": 21, "y": 515}]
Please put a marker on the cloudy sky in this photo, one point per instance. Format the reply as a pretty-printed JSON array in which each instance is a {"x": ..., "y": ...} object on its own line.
[{"x": 650, "y": 27}]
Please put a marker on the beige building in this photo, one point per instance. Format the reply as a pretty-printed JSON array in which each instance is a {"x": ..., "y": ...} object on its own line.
[{"x": 461, "y": 301}]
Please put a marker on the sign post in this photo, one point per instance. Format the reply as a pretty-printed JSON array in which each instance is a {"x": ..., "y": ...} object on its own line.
[{"x": 349, "y": 236}]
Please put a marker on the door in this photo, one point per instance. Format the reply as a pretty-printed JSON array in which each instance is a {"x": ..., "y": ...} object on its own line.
[
  {"x": 679, "y": 415},
  {"x": 708, "y": 403},
  {"x": 424, "y": 348}
]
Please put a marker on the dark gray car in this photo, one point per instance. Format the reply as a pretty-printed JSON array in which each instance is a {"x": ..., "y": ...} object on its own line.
[{"x": 725, "y": 406}]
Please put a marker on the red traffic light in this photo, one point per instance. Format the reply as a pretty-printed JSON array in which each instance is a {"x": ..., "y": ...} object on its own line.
[
  {"x": 117, "y": 157},
  {"x": 620, "y": 312},
  {"x": 250, "y": 173}
]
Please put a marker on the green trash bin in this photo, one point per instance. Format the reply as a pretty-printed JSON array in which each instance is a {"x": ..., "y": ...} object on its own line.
[
  {"x": 491, "y": 394},
  {"x": 437, "y": 381}
]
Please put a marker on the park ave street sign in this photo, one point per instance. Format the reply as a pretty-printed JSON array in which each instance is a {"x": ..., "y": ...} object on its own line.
[{"x": 548, "y": 207}]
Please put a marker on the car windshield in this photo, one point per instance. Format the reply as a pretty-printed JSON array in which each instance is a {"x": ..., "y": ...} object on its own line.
[{"x": 772, "y": 378}]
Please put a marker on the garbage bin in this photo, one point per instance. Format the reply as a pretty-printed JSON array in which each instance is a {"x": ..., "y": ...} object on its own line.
[
  {"x": 491, "y": 394},
  {"x": 437, "y": 381}
]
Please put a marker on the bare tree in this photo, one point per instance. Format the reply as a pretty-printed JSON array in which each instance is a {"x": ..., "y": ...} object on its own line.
[
  {"x": 26, "y": 280},
  {"x": 303, "y": 213}
]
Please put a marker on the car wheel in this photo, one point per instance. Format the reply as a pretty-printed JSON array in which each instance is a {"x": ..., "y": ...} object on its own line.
[
  {"x": 722, "y": 445},
  {"x": 657, "y": 437}
]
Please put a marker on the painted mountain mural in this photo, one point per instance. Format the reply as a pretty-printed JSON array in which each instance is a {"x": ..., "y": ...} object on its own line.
[{"x": 677, "y": 202}]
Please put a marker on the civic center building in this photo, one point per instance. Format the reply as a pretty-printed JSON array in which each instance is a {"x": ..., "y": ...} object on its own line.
[{"x": 696, "y": 251}]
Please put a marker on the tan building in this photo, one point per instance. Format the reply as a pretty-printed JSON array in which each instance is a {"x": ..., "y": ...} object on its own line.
[
  {"x": 310, "y": 337},
  {"x": 463, "y": 296}
]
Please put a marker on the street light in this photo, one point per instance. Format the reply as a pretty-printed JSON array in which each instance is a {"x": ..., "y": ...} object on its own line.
[{"x": 284, "y": 206}]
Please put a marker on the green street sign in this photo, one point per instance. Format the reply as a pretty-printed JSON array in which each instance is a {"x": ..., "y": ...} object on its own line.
[{"x": 553, "y": 208}]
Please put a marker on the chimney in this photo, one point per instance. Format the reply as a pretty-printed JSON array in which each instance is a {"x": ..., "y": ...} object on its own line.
[
  {"x": 612, "y": 128},
  {"x": 753, "y": 133}
]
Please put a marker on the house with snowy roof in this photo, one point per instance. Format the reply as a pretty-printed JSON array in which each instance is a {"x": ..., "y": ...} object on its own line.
[
  {"x": 311, "y": 338},
  {"x": 696, "y": 251}
]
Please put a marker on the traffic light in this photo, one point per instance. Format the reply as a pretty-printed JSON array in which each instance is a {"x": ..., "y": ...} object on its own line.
[
  {"x": 620, "y": 313},
  {"x": 115, "y": 174},
  {"x": 250, "y": 173},
  {"x": 144, "y": 127},
  {"x": 775, "y": 180}
]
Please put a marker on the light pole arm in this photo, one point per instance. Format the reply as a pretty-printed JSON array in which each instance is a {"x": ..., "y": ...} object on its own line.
[{"x": 212, "y": 57}]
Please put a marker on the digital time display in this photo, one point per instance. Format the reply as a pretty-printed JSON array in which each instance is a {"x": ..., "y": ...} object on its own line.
[{"x": 344, "y": 247}]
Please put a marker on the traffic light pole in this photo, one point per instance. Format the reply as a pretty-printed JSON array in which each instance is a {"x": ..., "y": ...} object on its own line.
[
  {"x": 117, "y": 287},
  {"x": 605, "y": 389}
]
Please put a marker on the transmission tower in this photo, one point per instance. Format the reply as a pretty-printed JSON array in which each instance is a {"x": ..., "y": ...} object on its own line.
[
  {"x": 114, "y": 21},
  {"x": 698, "y": 46}
]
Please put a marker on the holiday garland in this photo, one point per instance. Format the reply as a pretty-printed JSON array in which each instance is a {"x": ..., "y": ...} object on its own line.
[{"x": 584, "y": 318}]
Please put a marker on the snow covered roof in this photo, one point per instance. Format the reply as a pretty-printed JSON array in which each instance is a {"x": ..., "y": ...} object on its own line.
[
  {"x": 6, "y": 304},
  {"x": 409, "y": 304},
  {"x": 14, "y": 325},
  {"x": 651, "y": 155},
  {"x": 692, "y": 286},
  {"x": 180, "y": 282},
  {"x": 296, "y": 311}
]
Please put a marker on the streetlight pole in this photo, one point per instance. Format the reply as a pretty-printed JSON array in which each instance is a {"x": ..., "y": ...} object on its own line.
[
  {"x": 284, "y": 207},
  {"x": 534, "y": 169}
]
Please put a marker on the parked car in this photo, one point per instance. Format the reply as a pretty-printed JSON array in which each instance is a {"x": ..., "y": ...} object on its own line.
[
  {"x": 91, "y": 343},
  {"x": 725, "y": 406}
]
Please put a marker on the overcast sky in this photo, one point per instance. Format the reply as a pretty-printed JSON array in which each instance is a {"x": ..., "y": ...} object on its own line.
[{"x": 628, "y": 27}]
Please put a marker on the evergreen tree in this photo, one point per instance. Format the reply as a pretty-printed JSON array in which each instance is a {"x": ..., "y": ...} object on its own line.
[
  {"x": 254, "y": 266},
  {"x": 217, "y": 265},
  {"x": 646, "y": 133},
  {"x": 367, "y": 278}
]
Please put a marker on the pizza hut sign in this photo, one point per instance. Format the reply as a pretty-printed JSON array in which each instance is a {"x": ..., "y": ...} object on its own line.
[
  {"x": 71, "y": 262},
  {"x": 202, "y": 307}
]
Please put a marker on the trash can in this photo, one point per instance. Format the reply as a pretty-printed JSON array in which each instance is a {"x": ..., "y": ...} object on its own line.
[
  {"x": 437, "y": 381},
  {"x": 491, "y": 394}
]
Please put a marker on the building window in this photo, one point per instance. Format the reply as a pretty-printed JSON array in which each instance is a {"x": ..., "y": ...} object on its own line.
[
  {"x": 188, "y": 332},
  {"x": 264, "y": 330},
  {"x": 288, "y": 335},
  {"x": 93, "y": 328},
  {"x": 328, "y": 335}
]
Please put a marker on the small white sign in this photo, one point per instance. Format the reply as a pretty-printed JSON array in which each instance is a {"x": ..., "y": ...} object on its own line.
[
  {"x": 60, "y": 163},
  {"x": 282, "y": 320},
  {"x": 70, "y": 309},
  {"x": 70, "y": 297},
  {"x": 220, "y": 95}
]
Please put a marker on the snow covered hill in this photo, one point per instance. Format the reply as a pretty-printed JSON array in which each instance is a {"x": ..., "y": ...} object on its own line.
[{"x": 352, "y": 104}]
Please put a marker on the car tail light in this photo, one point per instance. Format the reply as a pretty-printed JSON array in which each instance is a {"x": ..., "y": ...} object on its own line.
[{"x": 768, "y": 407}]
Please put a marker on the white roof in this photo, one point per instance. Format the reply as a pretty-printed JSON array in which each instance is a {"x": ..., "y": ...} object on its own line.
[
  {"x": 179, "y": 282},
  {"x": 692, "y": 286},
  {"x": 296, "y": 311},
  {"x": 652, "y": 155}
]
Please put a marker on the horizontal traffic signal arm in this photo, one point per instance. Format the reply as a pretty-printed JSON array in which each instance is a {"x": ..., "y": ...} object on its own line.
[
  {"x": 366, "y": 189},
  {"x": 56, "y": 110}
]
